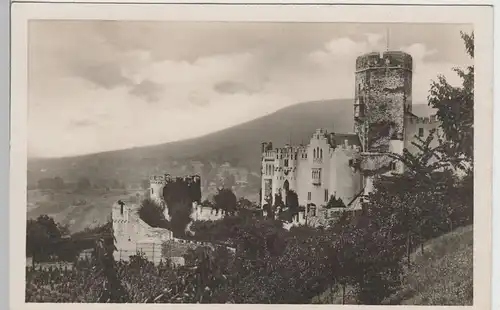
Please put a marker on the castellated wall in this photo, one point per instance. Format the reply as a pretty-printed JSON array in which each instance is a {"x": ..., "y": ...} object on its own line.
[
  {"x": 200, "y": 213},
  {"x": 382, "y": 95},
  {"x": 166, "y": 190},
  {"x": 421, "y": 127}
]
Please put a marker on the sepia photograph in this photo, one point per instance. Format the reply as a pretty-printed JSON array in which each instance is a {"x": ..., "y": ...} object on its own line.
[{"x": 252, "y": 162}]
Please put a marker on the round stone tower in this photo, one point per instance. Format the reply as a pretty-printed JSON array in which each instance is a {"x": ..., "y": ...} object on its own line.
[
  {"x": 156, "y": 185},
  {"x": 382, "y": 100},
  {"x": 382, "y": 97}
]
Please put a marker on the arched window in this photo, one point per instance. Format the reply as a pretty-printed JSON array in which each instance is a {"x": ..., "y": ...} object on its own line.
[
  {"x": 321, "y": 153},
  {"x": 314, "y": 153}
]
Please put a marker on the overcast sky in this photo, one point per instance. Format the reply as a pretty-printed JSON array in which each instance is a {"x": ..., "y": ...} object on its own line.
[{"x": 97, "y": 86}]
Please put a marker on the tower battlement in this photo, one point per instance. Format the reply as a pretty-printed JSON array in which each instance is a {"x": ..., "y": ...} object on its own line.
[
  {"x": 424, "y": 120},
  {"x": 386, "y": 60},
  {"x": 160, "y": 179},
  {"x": 287, "y": 149},
  {"x": 347, "y": 147},
  {"x": 167, "y": 178}
]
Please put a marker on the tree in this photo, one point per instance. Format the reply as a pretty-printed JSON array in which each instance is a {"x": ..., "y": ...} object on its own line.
[
  {"x": 455, "y": 108},
  {"x": 153, "y": 214},
  {"x": 106, "y": 273},
  {"x": 41, "y": 236},
  {"x": 226, "y": 200},
  {"x": 178, "y": 197},
  {"x": 335, "y": 202}
]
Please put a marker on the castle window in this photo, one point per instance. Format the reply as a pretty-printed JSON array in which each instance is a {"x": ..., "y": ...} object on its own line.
[
  {"x": 286, "y": 162},
  {"x": 326, "y": 195},
  {"x": 309, "y": 196},
  {"x": 295, "y": 156},
  {"x": 314, "y": 153},
  {"x": 152, "y": 192},
  {"x": 420, "y": 132},
  {"x": 393, "y": 166},
  {"x": 321, "y": 153}
]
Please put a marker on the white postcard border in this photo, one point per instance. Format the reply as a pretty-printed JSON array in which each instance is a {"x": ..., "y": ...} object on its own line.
[{"x": 480, "y": 17}]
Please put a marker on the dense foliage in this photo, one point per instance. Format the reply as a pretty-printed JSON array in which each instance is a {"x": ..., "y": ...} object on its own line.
[{"x": 153, "y": 214}]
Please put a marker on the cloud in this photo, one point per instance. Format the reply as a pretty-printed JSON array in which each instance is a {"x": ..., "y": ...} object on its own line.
[
  {"x": 419, "y": 51},
  {"x": 231, "y": 87},
  {"x": 374, "y": 38},
  {"x": 112, "y": 85},
  {"x": 148, "y": 90},
  {"x": 107, "y": 75}
]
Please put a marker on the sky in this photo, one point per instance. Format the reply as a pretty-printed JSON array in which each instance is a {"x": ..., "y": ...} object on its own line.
[{"x": 104, "y": 85}]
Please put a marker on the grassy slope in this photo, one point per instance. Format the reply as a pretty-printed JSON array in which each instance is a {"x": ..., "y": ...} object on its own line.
[{"x": 441, "y": 276}]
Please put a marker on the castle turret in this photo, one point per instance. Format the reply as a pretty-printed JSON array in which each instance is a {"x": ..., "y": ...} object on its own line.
[
  {"x": 156, "y": 185},
  {"x": 121, "y": 226},
  {"x": 382, "y": 99}
]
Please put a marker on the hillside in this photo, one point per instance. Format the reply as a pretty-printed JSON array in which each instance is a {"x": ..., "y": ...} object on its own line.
[
  {"x": 77, "y": 210},
  {"x": 441, "y": 276},
  {"x": 238, "y": 145}
]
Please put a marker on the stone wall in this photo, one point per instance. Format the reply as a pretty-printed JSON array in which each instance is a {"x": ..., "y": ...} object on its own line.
[
  {"x": 130, "y": 231},
  {"x": 132, "y": 236}
]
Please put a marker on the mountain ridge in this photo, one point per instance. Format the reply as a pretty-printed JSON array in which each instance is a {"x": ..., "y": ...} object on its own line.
[
  {"x": 238, "y": 145},
  {"x": 231, "y": 157}
]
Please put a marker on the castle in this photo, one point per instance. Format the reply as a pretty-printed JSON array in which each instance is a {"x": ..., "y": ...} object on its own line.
[
  {"x": 162, "y": 190},
  {"x": 341, "y": 167},
  {"x": 133, "y": 235}
]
